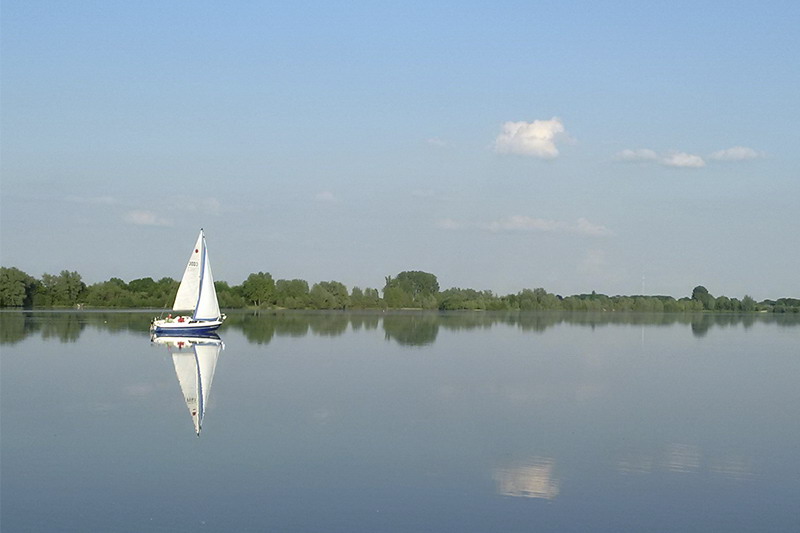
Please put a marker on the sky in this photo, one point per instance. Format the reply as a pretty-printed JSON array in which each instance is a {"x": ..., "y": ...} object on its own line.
[{"x": 622, "y": 147}]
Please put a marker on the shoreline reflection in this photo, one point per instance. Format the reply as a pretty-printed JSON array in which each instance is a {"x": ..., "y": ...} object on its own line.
[{"x": 408, "y": 329}]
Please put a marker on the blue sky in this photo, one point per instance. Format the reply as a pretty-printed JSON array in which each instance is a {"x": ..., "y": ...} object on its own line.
[{"x": 499, "y": 145}]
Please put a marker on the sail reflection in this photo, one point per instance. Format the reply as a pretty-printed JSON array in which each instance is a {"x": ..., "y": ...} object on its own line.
[
  {"x": 533, "y": 480},
  {"x": 195, "y": 360}
]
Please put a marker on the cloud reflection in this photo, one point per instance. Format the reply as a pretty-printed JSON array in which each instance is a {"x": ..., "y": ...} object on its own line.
[
  {"x": 533, "y": 480},
  {"x": 681, "y": 458}
]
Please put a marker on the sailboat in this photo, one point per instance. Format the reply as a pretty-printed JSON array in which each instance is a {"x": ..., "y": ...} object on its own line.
[
  {"x": 197, "y": 295},
  {"x": 195, "y": 359}
]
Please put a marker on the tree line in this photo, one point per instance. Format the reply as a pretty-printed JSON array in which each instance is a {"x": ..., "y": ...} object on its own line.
[{"x": 406, "y": 290}]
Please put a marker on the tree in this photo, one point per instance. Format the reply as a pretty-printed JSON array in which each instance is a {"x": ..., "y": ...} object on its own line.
[
  {"x": 411, "y": 289},
  {"x": 292, "y": 294},
  {"x": 109, "y": 294},
  {"x": 748, "y": 303},
  {"x": 701, "y": 294},
  {"x": 16, "y": 287},
  {"x": 259, "y": 288},
  {"x": 146, "y": 286},
  {"x": 63, "y": 290},
  {"x": 372, "y": 299},
  {"x": 357, "y": 298},
  {"x": 538, "y": 299},
  {"x": 229, "y": 297},
  {"x": 329, "y": 295},
  {"x": 723, "y": 303}
]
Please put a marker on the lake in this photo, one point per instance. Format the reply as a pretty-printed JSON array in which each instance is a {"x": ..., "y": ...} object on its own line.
[{"x": 402, "y": 422}]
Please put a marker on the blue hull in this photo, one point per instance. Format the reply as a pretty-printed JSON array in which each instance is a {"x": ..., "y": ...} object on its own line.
[{"x": 187, "y": 331}]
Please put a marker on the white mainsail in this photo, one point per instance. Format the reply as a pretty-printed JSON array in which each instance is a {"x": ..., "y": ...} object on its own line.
[
  {"x": 195, "y": 369},
  {"x": 196, "y": 292}
]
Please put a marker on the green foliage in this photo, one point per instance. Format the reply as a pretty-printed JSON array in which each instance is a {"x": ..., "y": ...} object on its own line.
[
  {"x": 229, "y": 297},
  {"x": 63, "y": 290},
  {"x": 109, "y": 294},
  {"x": 702, "y": 295},
  {"x": 366, "y": 299},
  {"x": 786, "y": 305},
  {"x": 259, "y": 289},
  {"x": 470, "y": 299},
  {"x": 292, "y": 294},
  {"x": 698, "y": 292},
  {"x": 539, "y": 299},
  {"x": 139, "y": 293},
  {"x": 410, "y": 289},
  {"x": 329, "y": 295},
  {"x": 16, "y": 288}
]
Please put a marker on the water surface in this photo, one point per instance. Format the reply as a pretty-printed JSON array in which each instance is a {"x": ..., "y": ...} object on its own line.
[{"x": 404, "y": 422}]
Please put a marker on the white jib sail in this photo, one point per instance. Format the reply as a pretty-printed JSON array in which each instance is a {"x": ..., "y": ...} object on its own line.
[
  {"x": 207, "y": 304},
  {"x": 186, "y": 299}
]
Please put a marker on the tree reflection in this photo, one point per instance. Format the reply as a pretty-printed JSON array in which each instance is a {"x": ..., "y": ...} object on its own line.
[
  {"x": 407, "y": 329},
  {"x": 417, "y": 329},
  {"x": 291, "y": 324},
  {"x": 15, "y": 327},
  {"x": 255, "y": 328},
  {"x": 700, "y": 325},
  {"x": 66, "y": 327},
  {"x": 329, "y": 324},
  {"x": 367, "y": 321}
]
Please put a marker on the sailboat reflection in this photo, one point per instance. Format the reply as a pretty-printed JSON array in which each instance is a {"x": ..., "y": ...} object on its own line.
[{"x": 195, "y": 359}]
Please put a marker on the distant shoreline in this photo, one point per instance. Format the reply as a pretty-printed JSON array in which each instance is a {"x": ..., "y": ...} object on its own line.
[{"x": 409, "y": 290}]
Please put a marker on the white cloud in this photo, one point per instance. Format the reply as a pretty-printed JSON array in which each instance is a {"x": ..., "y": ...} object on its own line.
[
  {"x": 736, "y": 153},
  {"x": 210, "y": 205},
  {"x": 524, "y": 223},
  {"x": 326, "y": 196},
  {"x": 449, "y": 223},
  {"x": 585, "y": 227},
  {"x": 436, "y": 141},
  {"x": 146, "y": 218},
  {"x": 95, "y": 200},
  {"x": 528, "y": 224},
  {"x": 686, "y": 160},
  {"x": 206, "y": 206},
  {"x": 683, "y": 160},
  {"x": 671, "y": 159},
  {"x": 536, "y": 139},
  {"x": 642, "y": 154},
  {"x": 594, "y": 262}
]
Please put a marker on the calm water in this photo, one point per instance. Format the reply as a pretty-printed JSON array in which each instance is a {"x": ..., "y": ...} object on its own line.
[{"x": 403, "y": 422}]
